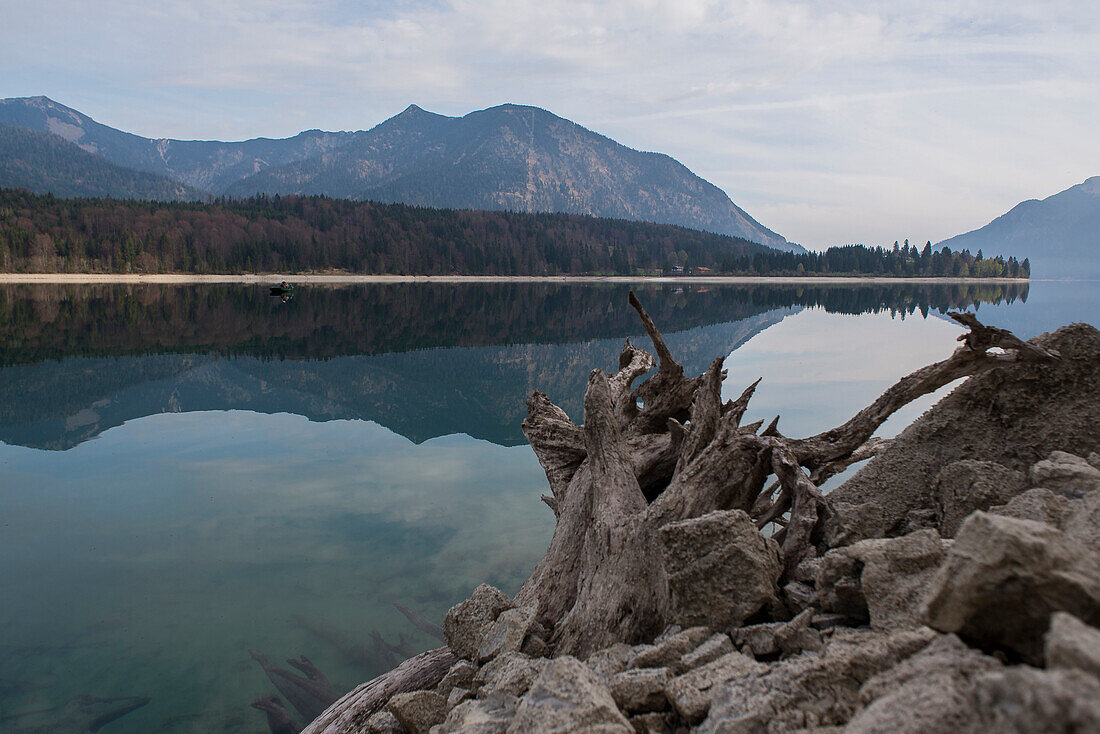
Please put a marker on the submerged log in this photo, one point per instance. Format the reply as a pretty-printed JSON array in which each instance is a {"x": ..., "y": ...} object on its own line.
[{"x": 670, "y": 450}]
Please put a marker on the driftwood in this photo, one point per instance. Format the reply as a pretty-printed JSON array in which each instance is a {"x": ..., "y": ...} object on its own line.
[
  {"x": 310, "y": 694},
  {"x": 350, "y": 712},
  {"x": 669, "y": 450}
]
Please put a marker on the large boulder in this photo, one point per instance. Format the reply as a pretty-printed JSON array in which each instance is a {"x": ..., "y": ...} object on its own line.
[
  {"x": 568, "y": 697},
  {"x": 965, "y": 486},
  {"x": 1078, "y": 518},
  {"x": 1002, "y": 580},
  {"x": 468, "y": 623},
  {"x": 1015, "y": 415},
  {"x": 881, "y": 581},
  {"x": 720, "y": 569}
]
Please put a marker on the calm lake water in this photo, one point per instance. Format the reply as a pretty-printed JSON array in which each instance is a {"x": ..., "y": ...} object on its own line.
[{"x": 188, "y": 473}]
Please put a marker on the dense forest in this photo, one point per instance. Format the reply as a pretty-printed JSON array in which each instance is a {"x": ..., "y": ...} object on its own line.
[{"x": 42, "y": 233}]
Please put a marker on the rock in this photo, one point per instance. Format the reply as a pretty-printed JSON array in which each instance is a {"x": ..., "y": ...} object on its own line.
[
  {"x": 611, "y": 660},
  {"x": 511, "y": 673},
  {"x": 535, "y": 647},
  {"x": 383, "y": 722},
  {"x": 691, "y": 693},
  {"x": 1015, "y": 416},
  {"x": 654, "y": 723},
  {"x": 457, "y": 696},
  {"x": 1094, "y": 460},
  {"x": 965, "y": 486},
  {"x": 1039, "y": 505},
  {"x": 797, "y": 636},
  {"x": 506, "y": 634},
  {"x": 491, "y": 715},
  {"x": 714, "y": 648},
  {"x": 461, "y": 674},
  {"x": 1072, "y": 645},
  {"x": 882, "y": 580},
  {"x": 467, "y": 623},
  {"x": 799, "y": 596},
  {"x": 720, "y": 569},
  {"x": 1002, "y": 580},
  {"x": 1023, "y": 700},
  {"x": 932, "y": 691},
  {"x": 1083, "y": 523},
  {"x": 758, "y": 640},
  {"x": 641, "y": 690},
  {"x": 851, "y": 522},
  {"x": 418, "y": 711},
  {"x": 1066, "y": 474},
  {"x": 568, "y": 697},
  {"x": 667, "y": 652},
  {"x": 810, "y": 690}
]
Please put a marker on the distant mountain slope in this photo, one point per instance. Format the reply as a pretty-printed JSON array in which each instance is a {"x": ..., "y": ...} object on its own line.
[
  {"x": 44, "y": 163},
  {"x": 508, "y": 157},
  {"x": 516, "y": 158},
  {"x": 207, "y": 165},
  {"x": 1060, "y": 235}
]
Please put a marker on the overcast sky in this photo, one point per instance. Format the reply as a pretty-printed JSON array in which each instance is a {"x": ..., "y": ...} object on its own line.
[{"x": 830, "y": 122}]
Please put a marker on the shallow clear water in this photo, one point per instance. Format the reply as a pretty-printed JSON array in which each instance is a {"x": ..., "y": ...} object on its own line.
[{"x": 191, "y": 473}]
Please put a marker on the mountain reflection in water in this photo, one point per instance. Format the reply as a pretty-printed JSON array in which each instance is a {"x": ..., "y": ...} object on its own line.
[{"x": 423, "y": 360}]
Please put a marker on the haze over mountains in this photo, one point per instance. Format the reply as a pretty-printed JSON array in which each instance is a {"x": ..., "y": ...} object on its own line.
[
  {"x": 1059, "y": 234},
  {"x": 508, "y": 157}
]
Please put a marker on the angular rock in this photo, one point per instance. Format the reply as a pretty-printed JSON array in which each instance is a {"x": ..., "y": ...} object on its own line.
[
  {"x": 965, "y": 486},
  {"x": 1037, "y": 504},
  {"x": 491, "y": 715},
  {"x": 506, "y": 634},
  {"x": 811, "y": 690},
  {"x": 882, "y": 580},
  {"x": 1002, "y": 580},
  {"x": 691, "y": 693},
  {"x": 1066, "y": 474},
  {"x": 1093, "y": 459},
  {"x": 511, "y": 673},
  {"x": 799, "y": 596},
  {"x": 457, "y": 696},
  {"x": 931, "y": 691},
  {"x": 1072, "y": 645},
  {"x": 1083, "y": 523},
  {"x": 611, "y": 660},
  {"x": 418, "y": 711},
  {"x": 641, "y": 690},
  {"x": 797, "y": 636},
  {"x": 467, "y": 623},
  {"x": 1024, "y": 700},
  {"x": 715, "y": 647},
  {"x": 720, "y": 569},
  {"x": 383, "y": 722},
  {"x": 655, "y": 723},
  {"x": 667, "y": 652},
  {"x": 461, "y": 674},
  {"x": 568, "y": 697}
]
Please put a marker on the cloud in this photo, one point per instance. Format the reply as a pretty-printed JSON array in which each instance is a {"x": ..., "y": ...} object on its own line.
[{"x": 828, "y": 121}]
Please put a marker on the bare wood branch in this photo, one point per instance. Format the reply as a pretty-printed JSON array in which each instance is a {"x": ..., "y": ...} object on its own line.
[{"x": 557, "y": 441}]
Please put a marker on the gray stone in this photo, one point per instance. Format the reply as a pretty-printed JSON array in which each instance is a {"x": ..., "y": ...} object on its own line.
[
  {"x": 811, "y": 690},
  {"x": 466, "y": 624},
  {"x": 536, "y": 647},
  {"x": 881, "y": 581},
  {"x": 1039, "y": 505},
  {"x": 568, "y": 697},
  {"x": 457, "y": 695},
  {"x": 1083, "y": 524},
  {"x": 797, "y": 636},
  {"x": 1072, "y": 645},
  {"x": 641, "y": 690},
  {"x": 510, "y": 672},
  {"x": 418, "y": 711},
  {"x": 1024, "y": 700},
  {"x": 383, "y": 722},
  {"x": 461, "y": 674},
  {"x": 1066, "y": 474},
  {"x": 491, "y": 715},
  {"x": 667, "y": 652},
  {"x": 799, "y": 596},
  {"x": 611, "y": 660},
  {"x": 965, "y": 486},
  {"x": 757, "y": 639},
  {"x": 1002, "y": 580},
  {"x": 692, "y": 692},
  {"x": 654, "y": 723},
  {"x": 714, "y": 648},
  {"x": 720, "y": 569},
  {"x": 851, "y": 522},
  {"x": 506, "y": 634},
  {"x": 932, "y": 691},
  {"x": 1094, "y": 460}
]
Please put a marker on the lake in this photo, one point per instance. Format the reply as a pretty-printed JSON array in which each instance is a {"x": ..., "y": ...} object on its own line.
[{"x": 190, "y": 473}]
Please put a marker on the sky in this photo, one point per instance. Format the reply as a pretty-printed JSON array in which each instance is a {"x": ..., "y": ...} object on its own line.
[{"x": 830, "y": 122}]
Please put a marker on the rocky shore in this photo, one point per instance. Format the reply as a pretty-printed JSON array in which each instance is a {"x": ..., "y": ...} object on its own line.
[{"x": 952, "y": 584}]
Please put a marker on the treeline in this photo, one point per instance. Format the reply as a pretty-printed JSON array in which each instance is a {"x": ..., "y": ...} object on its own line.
[
  {"x": 300, "y": 234},
  {"x": 903, "y": 261}
]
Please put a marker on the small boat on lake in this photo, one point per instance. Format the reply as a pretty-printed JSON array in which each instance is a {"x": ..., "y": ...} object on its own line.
[{"x": 283, "y": 289}]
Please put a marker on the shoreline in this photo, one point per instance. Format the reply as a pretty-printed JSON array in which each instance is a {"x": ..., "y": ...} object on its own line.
[{"x": 351, "y": 279}]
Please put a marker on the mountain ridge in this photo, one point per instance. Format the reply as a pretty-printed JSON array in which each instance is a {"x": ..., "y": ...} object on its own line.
[{"x": 508, "y": 157}]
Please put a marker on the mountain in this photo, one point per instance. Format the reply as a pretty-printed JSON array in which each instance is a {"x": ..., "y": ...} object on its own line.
[
  {"x": 512, "y": 157},
  {"x": 1060, "y": 234},
  {"x": 206, "y": 165},
  {"x": 509, "y": 157},
  {"x": 45, "y": 163}
]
